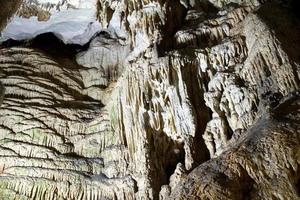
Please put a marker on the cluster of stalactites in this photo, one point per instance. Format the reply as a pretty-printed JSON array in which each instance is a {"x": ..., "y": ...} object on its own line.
[{"x": 148, "y": 18}]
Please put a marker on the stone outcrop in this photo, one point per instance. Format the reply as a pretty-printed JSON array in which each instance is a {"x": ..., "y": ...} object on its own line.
[
  {"x": 171, "y": 100},
  {"x": 8, "y": 8},
  {"x": 257, "y": 167}
]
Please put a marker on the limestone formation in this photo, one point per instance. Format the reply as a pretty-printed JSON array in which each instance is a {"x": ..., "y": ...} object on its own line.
[
  {"x": 178, "y": 99},
  {"x": 8, "y": 7}
]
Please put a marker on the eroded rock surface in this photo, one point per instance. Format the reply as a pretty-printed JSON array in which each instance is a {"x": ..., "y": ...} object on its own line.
[
  {"x": 171, "y": 100},
  {"x": 8, "y": 7}
]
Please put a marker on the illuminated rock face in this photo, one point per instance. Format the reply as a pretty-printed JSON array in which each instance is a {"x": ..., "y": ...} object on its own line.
[
  {"x": 170, "y": 100},
  {"x": 72, "y": 21}
]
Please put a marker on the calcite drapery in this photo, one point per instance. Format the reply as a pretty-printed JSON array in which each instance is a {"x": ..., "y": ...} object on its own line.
[{"x": 171, "y": 100}]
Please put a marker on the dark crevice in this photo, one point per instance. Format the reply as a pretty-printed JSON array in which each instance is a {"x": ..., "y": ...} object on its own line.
[
  {"x": 229, "y": 129},
  {"x": 297, "y": 186},
  {"x": 176, "y": 13},
  {"x": 49, "y": 43},
  {"x": 202, "y": 113},
  {"x": 181, "y": 18},
  {"x": 280, "y": 19},
  {"x": 164, "y": 156}
]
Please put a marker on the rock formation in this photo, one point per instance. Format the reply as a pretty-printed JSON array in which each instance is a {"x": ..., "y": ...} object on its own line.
[
  {"x": 178, "y": 99},
  {"x": 7, "y": 10}
]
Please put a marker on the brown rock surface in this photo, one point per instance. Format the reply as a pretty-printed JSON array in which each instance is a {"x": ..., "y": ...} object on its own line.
[
  {"x": 8, "y": 8},
  {"x": 263, "y": 164}
]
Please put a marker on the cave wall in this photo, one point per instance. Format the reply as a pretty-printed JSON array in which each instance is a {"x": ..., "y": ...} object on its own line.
[{"x": 170, "y": 100}]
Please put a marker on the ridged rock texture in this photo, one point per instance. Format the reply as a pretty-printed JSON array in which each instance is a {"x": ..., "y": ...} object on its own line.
[{"x": 178, "y": 99}]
